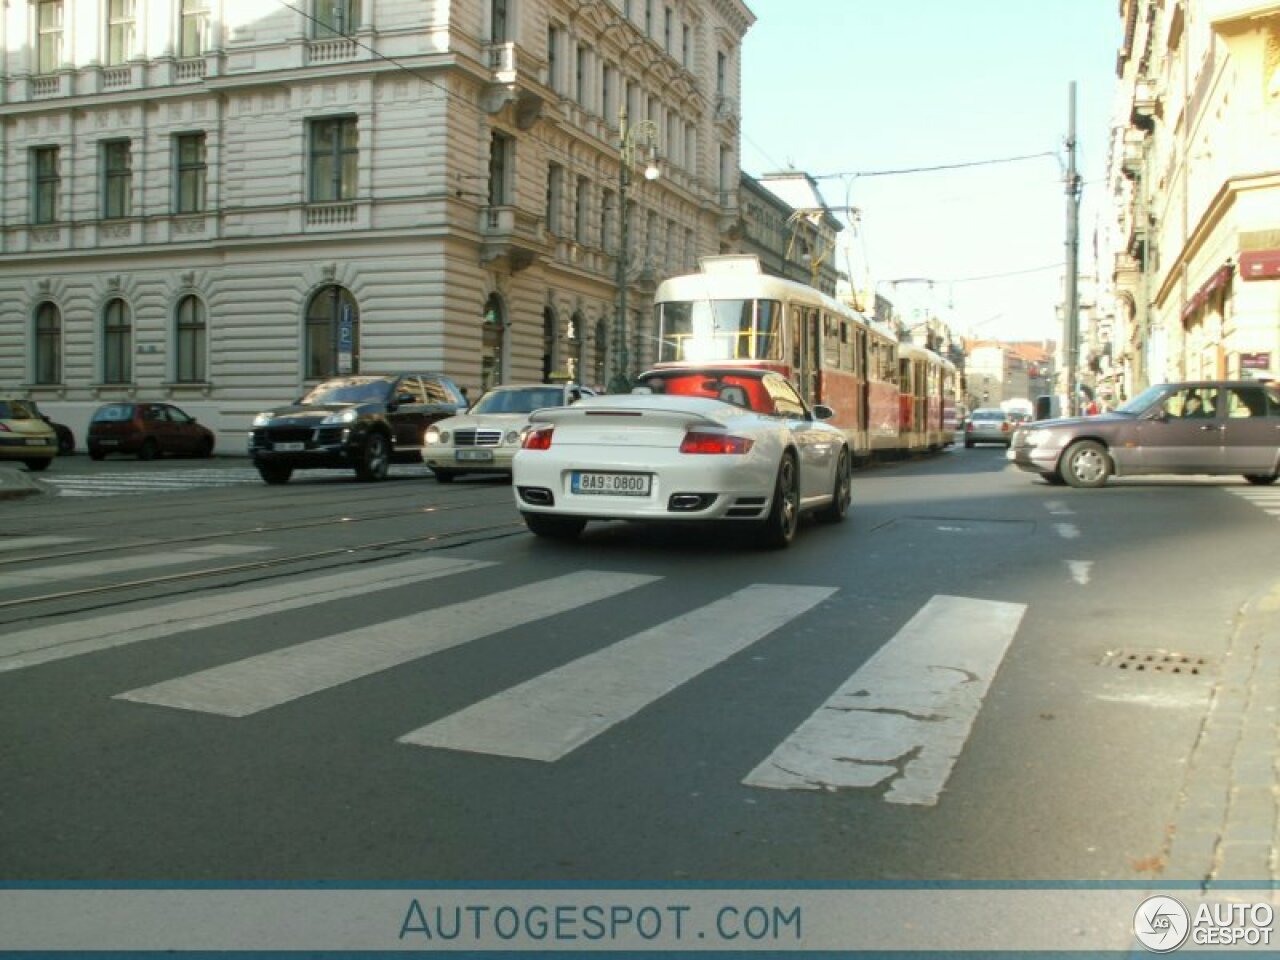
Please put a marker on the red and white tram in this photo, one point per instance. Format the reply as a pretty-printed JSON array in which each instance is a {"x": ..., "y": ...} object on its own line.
[{"x": 889, "y": 398}]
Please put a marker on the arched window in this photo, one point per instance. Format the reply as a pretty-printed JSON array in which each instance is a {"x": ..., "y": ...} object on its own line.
[
  {"x": 599, "y": 368},
  {"x": 575, "y": 343},
  {"x": 189, "y": 339},
  {"x": 548, "y": 343},
  {"x": 117, "y": 342},
  {"x": 48, "y": 344},
  {"x": 492, "y": 342},
  {"x": 333, "y": 334}
]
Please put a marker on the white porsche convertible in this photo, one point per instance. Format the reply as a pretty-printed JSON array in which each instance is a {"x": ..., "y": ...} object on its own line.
[{"x": 691, "y": 444}]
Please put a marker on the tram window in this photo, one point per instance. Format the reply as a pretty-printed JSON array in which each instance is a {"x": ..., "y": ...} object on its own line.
[{"x": 768, "y": 345}]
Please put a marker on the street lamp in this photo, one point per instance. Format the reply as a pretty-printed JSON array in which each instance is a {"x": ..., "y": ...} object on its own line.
[{"x": 638, "y": 142}]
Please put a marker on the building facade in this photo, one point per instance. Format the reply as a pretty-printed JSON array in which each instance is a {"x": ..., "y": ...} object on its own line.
[
  {"x": 218, "y": 204},
  {"x": 1195, "y": 231}
]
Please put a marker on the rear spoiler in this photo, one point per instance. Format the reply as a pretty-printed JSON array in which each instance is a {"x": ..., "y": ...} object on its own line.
[{"x": 620, "y": 415}]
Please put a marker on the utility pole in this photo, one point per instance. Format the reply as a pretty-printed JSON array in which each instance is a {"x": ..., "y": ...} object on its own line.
[{"x": 1071, "y": 309}]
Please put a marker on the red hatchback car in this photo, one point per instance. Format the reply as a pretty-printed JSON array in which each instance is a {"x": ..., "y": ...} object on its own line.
[{"x": 147, "y": 430}]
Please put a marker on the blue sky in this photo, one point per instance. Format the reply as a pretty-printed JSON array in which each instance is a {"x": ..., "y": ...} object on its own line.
[{"x": 857, "y": 86}]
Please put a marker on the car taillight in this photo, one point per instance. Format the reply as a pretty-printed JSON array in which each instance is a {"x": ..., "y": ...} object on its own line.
[
  {"x": 698, "y": 442},
  {"x": 537, "y": 439},
  {"x": 1004, "y": 427},
  {"x": 4, "y": 429}
]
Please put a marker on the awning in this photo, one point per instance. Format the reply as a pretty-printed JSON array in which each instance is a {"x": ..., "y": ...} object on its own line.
[
  {"x": 1216, "y": 281},
  {"x": 1259, "y": 264}
]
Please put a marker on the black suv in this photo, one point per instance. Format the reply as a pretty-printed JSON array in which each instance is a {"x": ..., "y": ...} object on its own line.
[{"x": 363, "y": 421}]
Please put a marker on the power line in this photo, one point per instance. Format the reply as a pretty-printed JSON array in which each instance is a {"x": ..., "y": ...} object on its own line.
[
  {"x": 1011, "y": 273},
  {"x": 941, "y": 166},
  {"x": 381, "y": 56}
]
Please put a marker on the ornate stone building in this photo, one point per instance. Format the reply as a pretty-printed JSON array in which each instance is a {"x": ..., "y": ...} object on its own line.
[
  {"x": 217, "y": 203},
  {"x": 1195, "y": 235}
]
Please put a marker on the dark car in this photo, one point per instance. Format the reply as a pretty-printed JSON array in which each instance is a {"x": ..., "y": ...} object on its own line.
[
  {"x": 1196, "y": 427},
  {"x": 66, "y": 439},
  {"x": 147, "y": 430},
  {"x": 362, "y": 421}
]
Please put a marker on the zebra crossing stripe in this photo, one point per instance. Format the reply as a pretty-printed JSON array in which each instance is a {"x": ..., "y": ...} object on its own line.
[
  {"x": 905, "y": 715},
  {"x": 50, "y": 642},
  {"x": 93, "y": 568},
  {"x": 557, "y": 712},
  {"x": 271, "y": 679}
]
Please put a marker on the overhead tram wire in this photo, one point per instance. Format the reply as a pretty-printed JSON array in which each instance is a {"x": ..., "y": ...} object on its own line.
[
  {"x": 413, "y": 71},
  {"x": 931, "y": 169}
]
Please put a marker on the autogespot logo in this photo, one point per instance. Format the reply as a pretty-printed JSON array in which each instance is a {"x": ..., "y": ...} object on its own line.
[{"x": 1161, "y": 924}]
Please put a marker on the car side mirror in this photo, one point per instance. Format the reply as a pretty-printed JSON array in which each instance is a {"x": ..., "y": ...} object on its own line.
[{"x": 822, "y": 412}]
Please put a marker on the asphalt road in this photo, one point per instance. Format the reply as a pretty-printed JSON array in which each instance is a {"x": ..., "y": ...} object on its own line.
[{"x": 202, "y": 677}]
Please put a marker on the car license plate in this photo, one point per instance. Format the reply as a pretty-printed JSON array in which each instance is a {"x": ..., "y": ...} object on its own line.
[
  {"x": 475, "y": 454},
  {"x": 288, "y": 447},
  {"x": 108, "y": 443},
  {"x": 35, "y": 442},
  {"x": 613, "y": 484}
]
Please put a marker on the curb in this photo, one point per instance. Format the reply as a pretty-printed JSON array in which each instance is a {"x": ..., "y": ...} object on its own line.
[{"x": 15, "y": 483}]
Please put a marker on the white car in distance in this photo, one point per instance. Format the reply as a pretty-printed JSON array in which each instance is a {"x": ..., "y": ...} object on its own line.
[
  {"x": 487, "y": 436},
  {"x": 695, "y": 443}
]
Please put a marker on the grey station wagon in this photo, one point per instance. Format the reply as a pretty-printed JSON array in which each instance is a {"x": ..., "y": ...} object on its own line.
[{"x": 1197, "y": 427}]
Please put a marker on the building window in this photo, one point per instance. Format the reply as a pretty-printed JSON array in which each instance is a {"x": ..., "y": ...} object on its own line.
[
  {"x": 690, "y": 148},
  {"x": 191, "y": 173},
  {"x": 576, "y": 343},
  {"x": 335, "y": 153},
  {"x": 492, "y": 342},
  {"x": 333, "y": 334},
  {"x": 580, "y": 76},
  {"x": 190, "y": 336},
  {"x": 334, "y": 18},
  {"x": 580, "y": 204},
  {"x": 117, "y": 337},
  {"x": 121, "y": 25},
  {"x": 608, "y": 86},
  {"x": 685, "y": 45},
  {"x": 500, "y": 21},
  {"x": 548, "y": 343},
  {"x": 501, "y": 151},
  {"x": 46, "y": 184},
  {"x": 608, "y": 221},
  {"x": 667, "y": 15},
  {"x": 648, "y": 18},
  {"x": 599, "y": 367},
  {"x": 48, "y": 344},
  {"x": 48, "y": 36},
  {"x": 193, "y": 40},
  {"x": 722, "y": 69},
  {"x": 117, "y": 179},
  {"x": 553, "y": 59},
  {"x": 555, "y": 197}
]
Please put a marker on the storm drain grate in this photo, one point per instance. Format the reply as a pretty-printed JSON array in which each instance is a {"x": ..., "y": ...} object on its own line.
[{"x": 1157, "y": 661}]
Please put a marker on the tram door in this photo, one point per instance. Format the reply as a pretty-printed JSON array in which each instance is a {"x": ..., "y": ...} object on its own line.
[{"x": 805, "y": 334}]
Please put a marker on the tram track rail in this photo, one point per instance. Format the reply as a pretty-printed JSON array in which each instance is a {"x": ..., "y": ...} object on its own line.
[
  {"x": 356, "y": 553},
  {"x": 303, "y": 523}
]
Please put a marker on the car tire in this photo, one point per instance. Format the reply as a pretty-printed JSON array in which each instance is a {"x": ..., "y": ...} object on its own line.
[
  {"x": 444, "y": 476},
  {"x": 96, "y": 454},
  {"x": 206, "y": 449},
  {"x": 149, "y": 449},
  {"x": 66, "y": 442},
  {"x": 273, "y": 473},
  {"x": 554, "y": 528},
  {"x": 841, "y": 491},
  {"x": 1261, "y": 479},
  {"x": 1085, "y": 464},
  {"x": 36, "y": 464},
  {"x": 375, "y": 458},
  {"x": 779, "y": 528}
]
